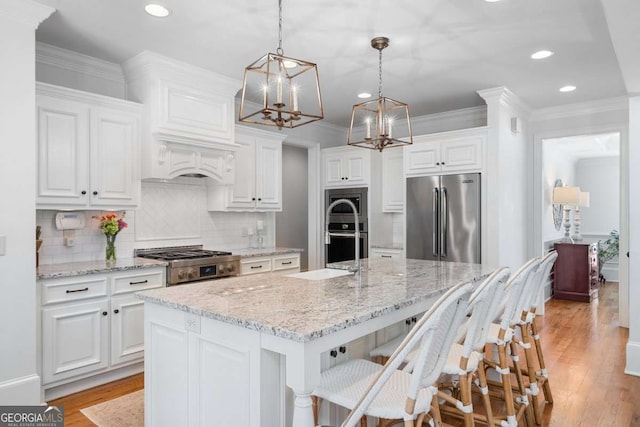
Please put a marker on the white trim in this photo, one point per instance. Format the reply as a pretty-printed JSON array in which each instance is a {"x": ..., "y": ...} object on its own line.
[
  {"x": 93, "y": 380},
  {"x": 21, "y": 391},
  {"x": 94, "y": 99},
  {"x": 27, "y": 12},
  {"x": 581, "y": 109},
  {"x": 73, "y": 61},
  {"x": 633, "y": 359},
  {"x": 464, "y": 115},
  {"x": 508, "y": 98},
  {"x": 315, "y": 212}
]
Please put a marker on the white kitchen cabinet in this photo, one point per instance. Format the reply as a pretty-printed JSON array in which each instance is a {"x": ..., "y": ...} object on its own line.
[
  {"x": 257, "y": 184},
  {"x": 345, "y": 167},
  {"x": 385, "y": 253},
  {"x": 75, "y": 339},
  {"x": 282, "y": 264},
  {"x": 87, "y": 150},
  {"x": 445, "y": 153},
  {"x": 93, "y": 324},
  {"x": 392, "y": 180}
]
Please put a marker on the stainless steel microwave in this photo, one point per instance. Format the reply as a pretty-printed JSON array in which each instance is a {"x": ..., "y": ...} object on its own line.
[{"x": 342, "y": 212}]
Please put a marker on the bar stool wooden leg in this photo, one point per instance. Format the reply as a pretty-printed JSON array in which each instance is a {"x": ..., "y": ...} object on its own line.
[
  {"x": 531, "y": 373},
  {"x": 522, "y": 388},
  {"x": 542, "y": 374},
  {"x": 466, "y": 398},
  {"x": 484, "y": 390},
  {"x": 315, "y": 406}
]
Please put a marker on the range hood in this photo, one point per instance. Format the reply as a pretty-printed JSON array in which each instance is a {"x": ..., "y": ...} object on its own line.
[{"x": 188, "y": 120}]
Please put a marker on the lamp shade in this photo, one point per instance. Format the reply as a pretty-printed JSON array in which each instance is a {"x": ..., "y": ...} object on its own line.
[
  {"x": 566, "y": 195},
  {"x": 584, "y": 199}
]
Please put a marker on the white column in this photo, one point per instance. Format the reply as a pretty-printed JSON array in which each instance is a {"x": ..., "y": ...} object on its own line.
[
  {"x": 506, "y": 187},
  {"x": 633, "y": 345},
  {"x": 19, "y": 380}
]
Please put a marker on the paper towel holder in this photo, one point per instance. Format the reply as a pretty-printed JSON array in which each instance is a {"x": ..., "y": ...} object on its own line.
[{"x": 70, "y": 220}]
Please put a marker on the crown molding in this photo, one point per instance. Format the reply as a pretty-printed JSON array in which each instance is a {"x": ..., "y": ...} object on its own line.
[
  {"x": 581, "y": 109},
  {"x": 472, "y": 114},
  {"x": 508, "y": 98},
  {"x": 25, "y": 11},
  {"x": 73, "y": 61}
]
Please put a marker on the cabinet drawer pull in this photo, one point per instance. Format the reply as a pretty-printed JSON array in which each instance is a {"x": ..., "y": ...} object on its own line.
[
  {"x": 287, "y": 263},
  {"x": 385, "y": 256},
  {"x": 253, "y": 267},
  {"x": 70, "y": 291},
  {"x": 141, "y": 282}
]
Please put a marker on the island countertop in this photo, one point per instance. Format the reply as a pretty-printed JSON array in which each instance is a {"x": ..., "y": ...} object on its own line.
[{"x": 303, "y": 310}]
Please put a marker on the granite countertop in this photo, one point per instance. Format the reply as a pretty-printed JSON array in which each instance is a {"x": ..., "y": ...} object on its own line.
[
  {"x": 255, "y": 252},
  {"x": 50, "y": 271},
  {"x": 303, "y": 310}
]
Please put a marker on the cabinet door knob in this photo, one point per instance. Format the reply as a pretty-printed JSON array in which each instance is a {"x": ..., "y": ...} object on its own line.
[
  {"x": 116, "y": 311},
  {"x": 253, "y": 198},
  {"x": 259, "y": 199},
  {"x": 83, "y": 192},
  {"x": 104, "y": 313},
  {"x": 342, "y": 349},
  {"x": 333, "y": 353},
  {"x": 437, "y": 163},
  {"x": 442, "y": 163},
  {"x": 95, "y": 193}
]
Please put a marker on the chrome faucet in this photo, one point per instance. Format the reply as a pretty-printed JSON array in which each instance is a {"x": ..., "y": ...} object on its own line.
[{"x": 355, "y": 235}]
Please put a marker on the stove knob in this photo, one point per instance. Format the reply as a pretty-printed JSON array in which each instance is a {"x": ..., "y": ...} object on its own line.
[
  {"x": 231, "y": 268},
  {"x": 191, "y": 274},
  {"x": 221, "y": 269},
  {"x": 181, "y": 275}
]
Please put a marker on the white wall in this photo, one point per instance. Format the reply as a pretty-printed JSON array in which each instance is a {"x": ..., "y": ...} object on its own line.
[
  {"x": 171, "y": 213},
  {"x": 19, "y": 381},
  {"x": 600, "y": 176}
]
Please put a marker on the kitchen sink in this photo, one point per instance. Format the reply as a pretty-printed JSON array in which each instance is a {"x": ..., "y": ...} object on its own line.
[{"x": 322, "y": 274}]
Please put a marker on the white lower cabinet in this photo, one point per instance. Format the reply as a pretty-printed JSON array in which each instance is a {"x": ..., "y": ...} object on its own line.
[
  {"x": 282, "y": 264},
  {"x": 385, "y": 253},
  {"x": 75, "y": 339},
  {"x": 92, "y": 324}
]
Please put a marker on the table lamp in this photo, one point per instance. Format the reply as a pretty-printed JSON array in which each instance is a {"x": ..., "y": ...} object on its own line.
[
  {"x": 582, "y": 203},
  {"x": 567, "y": 197}
]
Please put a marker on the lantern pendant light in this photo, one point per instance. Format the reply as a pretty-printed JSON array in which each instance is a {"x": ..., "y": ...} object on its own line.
[
  {"x": 280, "y": 91},
  {"x": 379, "y": 123}
]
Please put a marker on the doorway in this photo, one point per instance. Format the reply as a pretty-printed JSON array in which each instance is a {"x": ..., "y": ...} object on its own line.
[{"x": 592, "y": 163}]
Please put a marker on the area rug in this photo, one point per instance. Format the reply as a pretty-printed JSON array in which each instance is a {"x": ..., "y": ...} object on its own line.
[{"x": 124, "y": 411}]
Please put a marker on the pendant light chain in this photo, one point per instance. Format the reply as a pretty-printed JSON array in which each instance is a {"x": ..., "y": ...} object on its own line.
[
  {"x": 380, "y": 73},
  {"x": 279, "y": 51}
]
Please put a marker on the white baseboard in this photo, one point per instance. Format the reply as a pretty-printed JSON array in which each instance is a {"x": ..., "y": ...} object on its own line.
[
  {"x": 611, "y": 273},
  {"x": 633, "y": 359},
  {"x": 92, "y": 381},
  {"x": 21, "y": 391}
]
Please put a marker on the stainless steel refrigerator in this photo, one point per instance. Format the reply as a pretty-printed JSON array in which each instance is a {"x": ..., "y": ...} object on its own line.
[{"x": 443, "y": 218}]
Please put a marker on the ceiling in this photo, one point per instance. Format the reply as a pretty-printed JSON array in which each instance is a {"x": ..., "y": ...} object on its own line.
[
  {"x": 441, "y": 52},
  {"x": 586, "y": 146}
]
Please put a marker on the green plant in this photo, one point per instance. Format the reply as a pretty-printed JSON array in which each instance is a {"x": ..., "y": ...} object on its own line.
[{"x": 608, "y": 250}]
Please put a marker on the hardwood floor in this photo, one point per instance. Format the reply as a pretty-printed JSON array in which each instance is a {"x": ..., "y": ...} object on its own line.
[
  {"x": 584, "y": 352},
  {"x": 74, "y": 402}
]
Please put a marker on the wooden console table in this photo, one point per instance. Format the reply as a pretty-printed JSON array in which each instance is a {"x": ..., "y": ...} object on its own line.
[{"x": 575, "y": 275}]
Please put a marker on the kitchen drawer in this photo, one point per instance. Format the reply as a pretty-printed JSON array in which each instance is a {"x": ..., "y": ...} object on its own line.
[
  {"x": 137, "y": 282},
  {"x": 255, "y": 265},
  {"x": 286, "y": 263},
  {"x": 66, "y": 290},
  {"x": 385, "y": 253}
]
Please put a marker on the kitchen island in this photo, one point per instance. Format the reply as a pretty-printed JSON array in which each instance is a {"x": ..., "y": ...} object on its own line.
[{"x": 213, "y": 349}]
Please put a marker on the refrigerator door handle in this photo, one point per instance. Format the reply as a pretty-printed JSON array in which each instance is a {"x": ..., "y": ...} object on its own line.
[
  {"x": 444, "y": 222},
  {"x": 435, "y": 197}
]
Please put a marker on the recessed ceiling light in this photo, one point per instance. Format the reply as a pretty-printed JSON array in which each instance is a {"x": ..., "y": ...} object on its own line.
[
  {"x": 156, "y": 10},
  {"x": 364, "y": 95},
  {"x": 492, "y": 1},
  {"x": 567, "y": 88},
  {"x": 541, "y": 54}
]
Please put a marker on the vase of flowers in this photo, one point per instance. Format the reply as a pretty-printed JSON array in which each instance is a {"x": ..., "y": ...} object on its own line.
[{"x": 111, "y": 224}]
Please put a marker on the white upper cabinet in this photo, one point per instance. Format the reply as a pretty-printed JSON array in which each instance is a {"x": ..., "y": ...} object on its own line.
[
  {"x": 257, "y": 184},
  {"x": 189, "y": 117},
  {"x": 87, "y": 150},
  {"x": 392, "y": 180},
  {"x": 345, "y": 167},
  {"x": 445, "y": 153}
]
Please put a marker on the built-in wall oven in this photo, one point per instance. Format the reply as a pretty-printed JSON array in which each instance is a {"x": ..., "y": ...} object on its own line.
[{"x": 342, "y": 248}]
